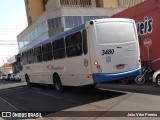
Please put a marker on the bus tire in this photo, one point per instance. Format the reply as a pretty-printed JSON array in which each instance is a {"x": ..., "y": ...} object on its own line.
[
  {"x": 57, "y": 83},
  {"x": 158, "y": 80},
  {"x": 28, "y": 81}
]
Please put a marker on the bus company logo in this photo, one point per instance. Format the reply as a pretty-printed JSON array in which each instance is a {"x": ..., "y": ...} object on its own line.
[
  {"x": 50, "y": 67},
  {"x": 145, "y": 27}
]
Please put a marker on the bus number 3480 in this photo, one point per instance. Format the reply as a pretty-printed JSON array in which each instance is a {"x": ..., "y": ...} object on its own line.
[{"x": 108, "y": 51}]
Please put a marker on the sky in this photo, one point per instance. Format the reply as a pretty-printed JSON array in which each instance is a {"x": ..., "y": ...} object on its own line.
[{"x": 13, "y": 21}]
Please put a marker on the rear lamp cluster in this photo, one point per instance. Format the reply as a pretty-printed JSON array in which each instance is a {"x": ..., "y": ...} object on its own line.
[{"x": 97, "y": 65}]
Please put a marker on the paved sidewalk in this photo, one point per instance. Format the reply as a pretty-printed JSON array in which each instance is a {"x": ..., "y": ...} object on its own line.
[{"x": 11, "y": 85}]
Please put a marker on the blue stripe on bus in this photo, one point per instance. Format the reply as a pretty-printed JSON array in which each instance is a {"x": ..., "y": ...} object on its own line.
[
  {"x": 55, "y": 37},
  {"x": 98, "y": 78}
]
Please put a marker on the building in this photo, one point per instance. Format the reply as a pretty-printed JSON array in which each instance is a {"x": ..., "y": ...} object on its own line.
[
  {"x": 49, "y": 17},
  {"x": 6, "y": 69},
  {"x": 14, "y": 64}
]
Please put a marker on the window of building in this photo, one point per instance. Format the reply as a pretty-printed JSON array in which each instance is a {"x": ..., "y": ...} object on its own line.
[
  {"x": 28, "y": 38},
  {"x": 35, "y": 34},
  {"x": 21, "y": 43},
  {"x": 75, "y": 3},
  {"x": 25, "y": 40},
  {"x": 74, "y": 44},
  {"x": 38, "y": 54},
  {"x": 50, "y": 24},
  {"x": 40, "y": 29},
  {"x": 84, "y": 35},
  {"x": 54, "y": 23},
  {"x": 88, "y": 18},
  {"x": 72, "y": 21},
  {"x": 45, "y": 26},
  {"x": 58, "y": 49},
  {"x": 31, "y": 35},
  {"x": 128, "y": 3},
  {"x": 47, "y": 52}
]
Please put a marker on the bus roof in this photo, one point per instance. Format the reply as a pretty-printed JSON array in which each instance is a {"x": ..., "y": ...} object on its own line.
[{"x": 55, "y": 37}]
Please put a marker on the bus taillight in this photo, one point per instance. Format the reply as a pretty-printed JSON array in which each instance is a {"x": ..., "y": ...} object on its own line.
[
  {"x": 98, "y": 66},
  {"x": 96, "y": 62}
]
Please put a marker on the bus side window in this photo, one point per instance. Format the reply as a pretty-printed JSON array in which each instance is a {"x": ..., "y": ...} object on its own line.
[
  {"x": 85, "y": 48},
  {"x": 23, "y": 59},
  {"x": 74, "y": 45},
  {"x": 47, "y": 52},
  {"x": 30, "y": 56},
  {"x": 35, "y": 55},
  {"x": 38, "y": 54},
  {"x": 58, "y": 49}
]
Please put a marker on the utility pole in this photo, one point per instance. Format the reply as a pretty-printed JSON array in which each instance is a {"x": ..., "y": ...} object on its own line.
[{"x": 4, "y": 68}]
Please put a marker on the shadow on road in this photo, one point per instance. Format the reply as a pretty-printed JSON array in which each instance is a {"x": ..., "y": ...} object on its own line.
[
  {"x": 44, "y": 99},
  {"x": 150, "y": 89}
]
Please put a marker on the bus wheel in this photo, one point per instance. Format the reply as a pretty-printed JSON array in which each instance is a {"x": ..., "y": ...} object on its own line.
[
  {"x": 158, "y": 80},
  {"x": 28, "y": 81},
  {"x": 57, "y": 83}
]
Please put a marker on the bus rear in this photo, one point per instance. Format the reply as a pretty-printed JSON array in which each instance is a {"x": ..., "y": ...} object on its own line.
[{"x": 116, "y": 50}]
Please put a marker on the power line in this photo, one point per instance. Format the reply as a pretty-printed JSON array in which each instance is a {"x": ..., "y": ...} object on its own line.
[
  {"x": 7, "y": 55},
  {"x": 10, "y": 45},
  {"x": 9, "y": 42}
]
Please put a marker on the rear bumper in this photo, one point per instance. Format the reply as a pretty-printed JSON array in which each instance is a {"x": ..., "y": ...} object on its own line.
[{"x": 98, "y": 78}]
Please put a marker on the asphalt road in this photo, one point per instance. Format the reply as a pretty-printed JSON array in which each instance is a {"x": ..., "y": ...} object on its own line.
[{"x": 42, "y": 98}]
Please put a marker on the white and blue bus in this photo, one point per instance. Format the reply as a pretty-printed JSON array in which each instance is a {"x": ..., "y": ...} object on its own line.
[{"x": 98, "y": 51}]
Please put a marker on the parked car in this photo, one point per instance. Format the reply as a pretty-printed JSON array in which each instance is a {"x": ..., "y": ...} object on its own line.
[
  {"x": 12, "y": 77},
  {"x": 3, "y": 77},
  {"x": 15, "y": 77},
  {"x": 8, "y": 76},
  {"x": 18, "y": 76},
  {"x": 156, "y": 77}
]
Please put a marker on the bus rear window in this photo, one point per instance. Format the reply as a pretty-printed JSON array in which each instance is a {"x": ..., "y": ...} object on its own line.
[{"x": 115, "y": 32}]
